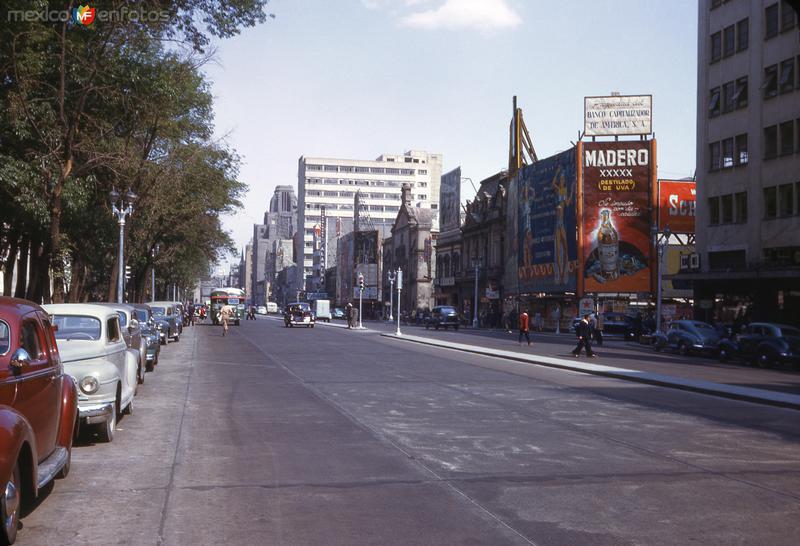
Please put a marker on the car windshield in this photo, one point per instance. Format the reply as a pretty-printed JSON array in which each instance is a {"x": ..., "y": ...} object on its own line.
[
  {"x": 702, "y": 326},
  {"x": 159, "y": 311},
  {"x": 5, "y": 338},
  {"x": 785, "y": 332},
  {"x": 141, "y": 315},
  {"x": 77, "y": 327},
  {"x": 447, "y": 310}
]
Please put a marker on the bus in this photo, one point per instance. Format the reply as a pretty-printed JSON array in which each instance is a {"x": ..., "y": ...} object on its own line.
[{"x": 235, "y": 297}]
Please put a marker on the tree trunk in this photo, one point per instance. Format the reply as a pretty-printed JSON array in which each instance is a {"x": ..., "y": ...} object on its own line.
[
  {"x": 56, "y": 261},
  {"x": 8, "y": 267},
  {"x": 75, "y": 281},
  {"x": 34, "y": 289},
  {"x": 22, "y": 270}
]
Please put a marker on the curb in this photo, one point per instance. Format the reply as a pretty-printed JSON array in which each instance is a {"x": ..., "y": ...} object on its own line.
[{"x": 745, "y": 394}]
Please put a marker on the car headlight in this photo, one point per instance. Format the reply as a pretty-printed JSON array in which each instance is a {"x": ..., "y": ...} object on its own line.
[{"x": 89, "y": 384}]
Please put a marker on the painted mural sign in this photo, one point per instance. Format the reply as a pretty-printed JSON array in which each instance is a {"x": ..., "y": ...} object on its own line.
[
  {"x": 677, "y": 203},
  {"x": 450, "y": 200},
  {"x": 618, "y": 115},
  {"x": 616, "y": 221},
  {"x": 546, "y": 217}
]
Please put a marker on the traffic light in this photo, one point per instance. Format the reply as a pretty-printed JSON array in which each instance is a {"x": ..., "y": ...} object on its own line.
[
  {"x": 127, "y": 272},
  {"x": 361, "y": 281}
]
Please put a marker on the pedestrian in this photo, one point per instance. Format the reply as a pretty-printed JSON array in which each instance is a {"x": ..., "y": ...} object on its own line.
[
  {"x": 524, "y": 327},
  {"x": 225, "y": 315},
  {"x": 507, "y": 321},
  {"x": 348, "y": 313},
  {"x": 191, "y": 314},
  {"x": 598, "y": 329},
  {"x": 584, "y": 333}
]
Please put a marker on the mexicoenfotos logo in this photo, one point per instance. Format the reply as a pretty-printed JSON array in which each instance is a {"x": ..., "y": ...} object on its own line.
[{"x": 83, "y": 15}]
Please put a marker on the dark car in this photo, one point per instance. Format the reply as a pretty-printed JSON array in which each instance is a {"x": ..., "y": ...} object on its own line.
[
  {"x": 164, "y": 314},
  {"x": 150, "y": 331},
  {"x": 687, "y": 336},
  {"x": 765, "y": 344},
  {"x": 38, "y": 410},
  {"x": 338, "y": 313},
  {"x": 298, "y": 314},
  {"x": 443, "y": 316}
]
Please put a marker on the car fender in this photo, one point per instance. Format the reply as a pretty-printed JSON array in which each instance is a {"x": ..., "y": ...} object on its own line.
[
  {"x": 16, "y": 432},
  {"x": 130, "y": 379},
  {"x": 69, "y": 410}
]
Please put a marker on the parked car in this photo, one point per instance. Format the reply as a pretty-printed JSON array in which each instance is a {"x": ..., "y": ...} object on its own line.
[
  {"x": 151, "y": 333},
  {"x": 765, "y": 344},
  {"x": 94, "y": 352},
  {"x": 443, "y": 316},
  {"x": 261, "y": 310},
  {"x": 38, "y": 410},
  {"x": 298, "y": 314},
  {"x": 164, "y": 311},
  {"x": 338, "y": 313},
  {"x": 688, "y": 336},
  {"x": 178, "y": 310},
  {"x": 132, "y": 333}
]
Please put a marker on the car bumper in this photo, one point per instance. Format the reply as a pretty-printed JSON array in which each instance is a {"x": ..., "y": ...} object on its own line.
[{"x": 91, "y": 414}]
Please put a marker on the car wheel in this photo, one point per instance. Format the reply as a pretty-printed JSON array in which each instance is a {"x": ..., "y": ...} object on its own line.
[
  {"x": 109, "y": 427},
  {"x": 150, "y": 365},
  {"x": 10, "y": 504},
  {"x": 445, "y": 326},
  {"x": 683, "y": 348},
  {"x": 128, "y": 409},
  {"x": 177, "y": 338},
  {"x": 436, "y": 327},
  {"x": 456, "y": 328},
  {"x": 764, "y": 360},
  {"x": 427, "y": 326},
  {"x": 657, "y": 347},
  {"x": 723, "y": 354},
  {"x": 140, "y": 379}
]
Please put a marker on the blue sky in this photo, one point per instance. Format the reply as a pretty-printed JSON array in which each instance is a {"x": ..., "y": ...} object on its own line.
[{"x": 357, "y": 78}]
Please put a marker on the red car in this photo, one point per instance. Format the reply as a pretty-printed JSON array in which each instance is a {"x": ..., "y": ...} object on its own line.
[{"x": 38, "y": 410}]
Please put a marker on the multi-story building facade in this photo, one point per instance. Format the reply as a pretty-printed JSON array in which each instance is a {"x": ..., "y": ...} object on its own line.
[
  {"x": 748, "y": 160},
  {"x": 333, "y": 183},
  {"x": 280, "y": 224}
]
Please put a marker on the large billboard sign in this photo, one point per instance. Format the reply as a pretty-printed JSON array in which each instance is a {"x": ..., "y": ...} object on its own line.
[
  {"x": 618, "y": 115},
  {"x": 365, "y": 262},
  {"x": 546, "y": 217},
  {"x": 617, "y": 198},
  {"x": 677, "y": 203},
  {"x": 450, "y": 200}
]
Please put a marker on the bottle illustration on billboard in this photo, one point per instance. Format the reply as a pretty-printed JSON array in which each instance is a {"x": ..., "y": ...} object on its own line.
[
  {"x": 612, "y": 258},
  {"x": 608, "y": 246}
]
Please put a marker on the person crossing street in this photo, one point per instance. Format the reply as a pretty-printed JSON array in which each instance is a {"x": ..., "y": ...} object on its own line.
[
  {"x": 584, "y": 332},
  {"x": 524, "y": 327}
]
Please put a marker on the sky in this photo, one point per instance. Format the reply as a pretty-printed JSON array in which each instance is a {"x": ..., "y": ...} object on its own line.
[{"x": 359, "y": 78}]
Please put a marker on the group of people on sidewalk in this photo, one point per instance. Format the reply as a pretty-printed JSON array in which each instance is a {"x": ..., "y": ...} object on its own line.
[
  {"x": 586, "y": 330},
  {"x": 351, "y": 314}
]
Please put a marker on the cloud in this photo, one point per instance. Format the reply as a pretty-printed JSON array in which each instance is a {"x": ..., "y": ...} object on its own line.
[{"x": 484, "y": 15}]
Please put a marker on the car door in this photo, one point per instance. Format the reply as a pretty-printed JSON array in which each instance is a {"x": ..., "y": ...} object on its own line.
[
  {"x": 8, "y": 388},
  {"x": 38, "y": 393},
  {"x": 749, "y": 339}
]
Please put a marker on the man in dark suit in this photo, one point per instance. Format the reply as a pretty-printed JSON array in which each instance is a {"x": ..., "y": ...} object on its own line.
[{"x": 584, "y": 332}]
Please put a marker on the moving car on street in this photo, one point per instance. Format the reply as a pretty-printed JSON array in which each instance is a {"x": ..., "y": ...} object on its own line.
[
  {"x": 298, "y": 314},
  {"x": 38, "y": 410},
  {"x": 688, "y": 336},
  {"x": 338, "y": 313},
  {"x": 765, "y": 344},
  {"x": 261, "y": 310},
  {"x": 94, "y": 352},
  {"x": 443, "y": 316}
]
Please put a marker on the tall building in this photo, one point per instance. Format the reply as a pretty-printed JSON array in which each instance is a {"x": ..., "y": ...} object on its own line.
[
  {"x": 333, "y": 183},
  {"x": 748, "y": 166},
  {"x": 280, "y": 224}
]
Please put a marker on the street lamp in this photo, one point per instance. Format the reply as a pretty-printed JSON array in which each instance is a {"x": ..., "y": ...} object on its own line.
[
  {"x": 661, "y": 244},
  {"x": 125, "y": 209},
  {"x": 153, "y": 253},
  {"x": 399, "y": 289},
  {"x": 476, "y": 263},
  {"x": 392, "y": 277}
]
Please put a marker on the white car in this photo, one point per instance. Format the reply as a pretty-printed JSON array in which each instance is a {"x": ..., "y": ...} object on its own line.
[
  {"x": 261, "y": 310},
  {"x": 93, "y": 351}
]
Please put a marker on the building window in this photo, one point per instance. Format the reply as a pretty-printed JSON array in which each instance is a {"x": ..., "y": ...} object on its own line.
[
  {"x": 422, "y": 171},
  {"x": 770, "y": 142},
  {"x": 728, "y": 41},
  {"x": 727, "y": 97},
  {"x": 716, "y": 47},
  {"x": 313, "y": 167},
  {"x": 788, "y": 16},
  {"x": 786, "y": 199},
  {"x": 771, "y": 21},
  {"x": 742, "y": 156},
  {"x": 742, "y": 34},
  {"x": 727, "y": 153},
  {"x": 787, "y": 137},
  {"x": 727, "y": 208},
  {"x": 331, "y": 168},
  {"x": 770, "y": 203},
  {"x": 786, "y": 82},
  {"x": 740, "y": 95},
  {"x": 714, "y": 156},
  {"x": 362, "y": 169},
  {"x": 741, "y": 207},
  {"x": 714, "y": 103},
  {"x": 770, "y": 81},
  {"x": 713, "y": 211}
]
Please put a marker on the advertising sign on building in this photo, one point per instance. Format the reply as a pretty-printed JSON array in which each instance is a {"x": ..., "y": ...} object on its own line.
[
  {"x": 618, "y": 115},
  {"x": 370, "y": 273},
  {"x": 677, "y": 203},
  {"x": 450, "y": 200},
  {"x": 547, "y": 246},
  {"x": 616, "y": 216}
]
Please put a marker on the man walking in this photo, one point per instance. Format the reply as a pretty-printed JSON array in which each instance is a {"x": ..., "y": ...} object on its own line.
[
  {"x": 584, "y": 332},
  {"x": 524, "y": 327},
  {"x": 225, "y": 315},
  {"x": 348, "y": 313},
  {"x": 598, "y": 329}
]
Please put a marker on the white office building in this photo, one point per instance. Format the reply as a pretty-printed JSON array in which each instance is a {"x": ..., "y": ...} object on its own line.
[{"x": 331, "y": 184}]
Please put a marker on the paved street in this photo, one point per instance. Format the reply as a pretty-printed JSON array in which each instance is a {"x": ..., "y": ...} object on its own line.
[{"x": 329, "y": 436}]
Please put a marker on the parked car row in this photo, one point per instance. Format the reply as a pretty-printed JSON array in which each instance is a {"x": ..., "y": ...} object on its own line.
[
  {"x": 760, "y": 343},
  {"x": 67, "y": 369}
]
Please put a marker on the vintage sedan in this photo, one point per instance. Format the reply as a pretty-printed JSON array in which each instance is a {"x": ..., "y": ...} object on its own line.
[
  {"x": 94, "y": 353},
  {"x": 132, "y": 333},
  {"x": 765, "y": 344},
  {"x": 687, "y": 336},
  {"x": 298, "y": 314},
  {"x": 164, "y": 312},
  {"x": 38, "y": 410},
  {"x": 150, "y": 332}
]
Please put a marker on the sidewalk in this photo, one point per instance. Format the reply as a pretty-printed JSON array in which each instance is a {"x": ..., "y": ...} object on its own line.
[{"x": 749, "y": 394}]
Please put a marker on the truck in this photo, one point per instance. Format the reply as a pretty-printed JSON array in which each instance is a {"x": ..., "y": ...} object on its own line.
[
  {"x": 322, "y": 310},
  {"x": 272, "y": 307}
]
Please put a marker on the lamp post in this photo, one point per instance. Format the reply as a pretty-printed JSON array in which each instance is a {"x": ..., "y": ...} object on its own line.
[
  {"x": 125, "y": 209},
  {"x": 661, "y": 244},
  {"x": 399, "y": 288},
  {"x": 153, "y": 253},
  {"x": 476, "y": 263},
  {"x": 392, "y": 277}
]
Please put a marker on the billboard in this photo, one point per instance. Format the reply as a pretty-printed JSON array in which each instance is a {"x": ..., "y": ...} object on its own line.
[
  {"x": 365, "y": 261},
  {"x": 618, "y": 115},
  {"x": 450, "y": 200},
  {"x": 677, "y": 203},
  {"x": 616, "y": 205},
  {"x": 547, "y": 247}
]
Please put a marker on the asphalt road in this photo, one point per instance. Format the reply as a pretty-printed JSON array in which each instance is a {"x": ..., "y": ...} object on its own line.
[{"x": 328, "y": 436}]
